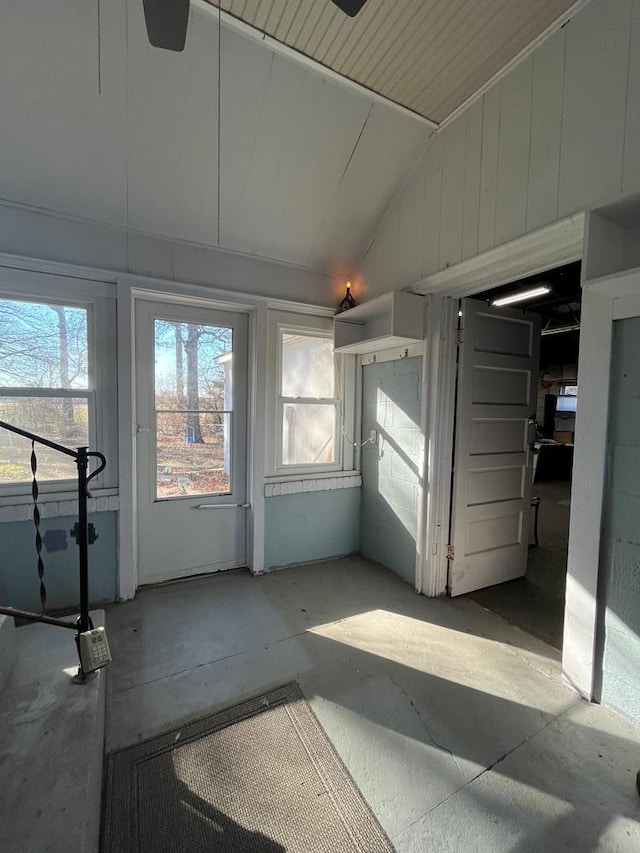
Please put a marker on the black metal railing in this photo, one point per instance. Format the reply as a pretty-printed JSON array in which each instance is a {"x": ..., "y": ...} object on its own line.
[{"x": 82, "y": 455}]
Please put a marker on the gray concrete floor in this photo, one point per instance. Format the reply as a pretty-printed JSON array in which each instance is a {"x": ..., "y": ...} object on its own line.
[
  {"x": 454, "y": 723},
  {"x": 51, "y": 746},
  {"x": 535, "y": 602}
]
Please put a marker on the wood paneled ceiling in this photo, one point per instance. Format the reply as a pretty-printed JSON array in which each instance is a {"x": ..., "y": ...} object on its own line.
[{"x": 428, "y": 55}]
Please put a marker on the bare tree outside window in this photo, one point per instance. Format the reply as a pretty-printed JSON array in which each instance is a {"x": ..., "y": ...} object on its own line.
[
  {"x": 43, "y": 351},
  {"x": 193, "y": 407}
]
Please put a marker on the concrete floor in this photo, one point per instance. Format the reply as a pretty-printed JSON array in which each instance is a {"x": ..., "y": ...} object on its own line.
[
  {"x": 51, "y": 746},
  {"x": 535, "y": 602},
  {"x": 454, "y": 724}
]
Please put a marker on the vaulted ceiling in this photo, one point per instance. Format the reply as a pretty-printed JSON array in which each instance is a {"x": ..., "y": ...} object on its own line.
[
  {"x": 228, "y": 144},
  {"x": 234, "y": 143},
  {"x": 428, "y": 55}
]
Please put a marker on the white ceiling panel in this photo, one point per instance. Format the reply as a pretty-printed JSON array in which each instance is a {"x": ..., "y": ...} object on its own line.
[
  {"x": 62, "y": 112},
  {"x": 370, "y": 181},
  {"x": 295, "y": 166},
  {"x": 294, "y": 148},
  {"x": 428, "y": 55}
]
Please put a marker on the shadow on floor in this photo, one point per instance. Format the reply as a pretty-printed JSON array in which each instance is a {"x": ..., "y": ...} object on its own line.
[{"x": 417, "y": 699}]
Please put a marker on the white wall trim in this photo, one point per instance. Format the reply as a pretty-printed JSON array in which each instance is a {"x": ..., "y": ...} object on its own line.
[
  {"x": 60, "y": 270},
  {"x": 628, "y": 305},
  {"x": 318, "y": 484},
  {"x": 587, "y": 491},
  {"x": 127, "y": 522},
  {"x": 553, "y": 246},
  {"x": 440, "y": 373},
  {"x": 604, "y": 301},
  {"x": 57, "y": 508},
  {"x": 256, "y": 414},
  {"x": 182, "y": 292}
]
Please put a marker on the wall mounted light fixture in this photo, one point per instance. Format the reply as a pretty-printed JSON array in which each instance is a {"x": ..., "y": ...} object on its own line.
[{"x": 348, "y": 301}]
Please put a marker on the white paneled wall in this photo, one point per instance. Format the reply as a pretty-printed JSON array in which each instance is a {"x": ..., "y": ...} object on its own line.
[
  {"x": 236, "y": 147},
  {"x": 52, "y": 84},
  {"x": 30, "y": 234},
  {"x": 558, "y": 134}
]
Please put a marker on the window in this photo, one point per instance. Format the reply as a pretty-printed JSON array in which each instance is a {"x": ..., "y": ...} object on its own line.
[
  {"x": 311, "y": 410},
  {"x": 193, "y": 409},
  {"x": 308, "y": 404},
  {"x": 45, "y": 386}
]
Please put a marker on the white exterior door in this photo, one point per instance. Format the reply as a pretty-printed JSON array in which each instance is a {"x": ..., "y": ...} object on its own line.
[
  {"x": 191, "y": 415},
  {"x": 497, "y": 393}
]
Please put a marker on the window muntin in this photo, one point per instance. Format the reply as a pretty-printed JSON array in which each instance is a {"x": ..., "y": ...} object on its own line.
[
  {"x": 308, "y": 405},
  {"x": 45, "y": 386}
]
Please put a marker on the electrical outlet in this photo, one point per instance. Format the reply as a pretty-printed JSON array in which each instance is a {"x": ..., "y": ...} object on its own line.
[{"x": 373, "y": 437}]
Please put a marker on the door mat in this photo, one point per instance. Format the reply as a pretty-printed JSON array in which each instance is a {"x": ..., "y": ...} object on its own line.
[{"x": 260, "y": 777}]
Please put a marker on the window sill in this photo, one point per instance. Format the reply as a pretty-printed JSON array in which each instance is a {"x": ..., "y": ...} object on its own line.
[{"x": 292, "y": 485}]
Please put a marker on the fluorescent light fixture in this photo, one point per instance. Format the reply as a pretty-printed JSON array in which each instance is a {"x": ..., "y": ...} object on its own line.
[
  {"x": 512, "y": 298},
  {"x": 560, "y": 329}
]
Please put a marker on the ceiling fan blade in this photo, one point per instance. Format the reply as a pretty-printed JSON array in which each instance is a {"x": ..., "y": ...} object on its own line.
[
  {"x": 350, "y": 7},
  {"x": 167, "y": 23}
]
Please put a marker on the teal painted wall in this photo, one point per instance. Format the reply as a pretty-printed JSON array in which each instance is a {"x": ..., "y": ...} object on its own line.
[
  {"x": 19, "y": 583},
  {"x": 391, "y": 405},
  {"x": 619, "y": 637},
  {"x": 311, "y": 526}
]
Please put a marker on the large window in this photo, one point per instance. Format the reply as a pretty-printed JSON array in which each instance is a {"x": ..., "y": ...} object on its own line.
[
  {"x": 308, "y": 402},
  {"x": 45, "y": 386}
]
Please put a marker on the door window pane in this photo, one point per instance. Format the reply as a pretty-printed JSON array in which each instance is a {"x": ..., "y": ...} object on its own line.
[
  {"x": 307, "y": 435},
  {"x": 192, "y": 366},
  {"x": 64, "y": 420},
  {"x": 189, "y": 467},
  {"x": 307, "y": 366},
  {"x": 194, "y": 401}
]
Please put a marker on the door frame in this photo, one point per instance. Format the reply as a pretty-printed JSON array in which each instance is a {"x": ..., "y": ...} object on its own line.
[
  {"x": 604, "y": 300},
  {"x": 555, "y": 245},
  {"x": 151, "y": 508},
  {"x": 130, "y": 291}
]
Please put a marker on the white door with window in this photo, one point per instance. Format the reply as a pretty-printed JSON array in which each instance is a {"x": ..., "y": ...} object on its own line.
[
  {"x": 497, "y": 394},
  {"x": 191, "y": 428}
]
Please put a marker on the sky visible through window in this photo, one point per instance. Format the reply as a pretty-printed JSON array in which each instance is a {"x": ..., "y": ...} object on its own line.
[
  {"x": 43, "y": 351},
  {"x": 42, "y": 346}
]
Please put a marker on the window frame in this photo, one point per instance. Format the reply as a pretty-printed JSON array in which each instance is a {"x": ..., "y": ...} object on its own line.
[
  {"x": 281, "y": 323},
  {"x": 98, "y": 300},
  {"x": 283, "y": 400},
  {"x": 154, "y": 411}
]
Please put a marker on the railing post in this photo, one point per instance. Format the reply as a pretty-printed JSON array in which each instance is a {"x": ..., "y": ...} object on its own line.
[{"x": 83, "y": 538}]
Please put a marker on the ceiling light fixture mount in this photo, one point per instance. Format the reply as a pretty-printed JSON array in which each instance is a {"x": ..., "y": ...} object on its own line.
[
  {"x": 559, "y": 330},
  {"x": 521, "y": 296},
  {"x": 350, "y": 7}
]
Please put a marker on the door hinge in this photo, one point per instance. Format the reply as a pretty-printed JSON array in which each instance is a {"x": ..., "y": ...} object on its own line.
[
  {"x": 450, "y": 552},
  {"x": 459, "y": 337}
]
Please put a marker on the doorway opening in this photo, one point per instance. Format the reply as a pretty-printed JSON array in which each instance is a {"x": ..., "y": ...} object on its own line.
[{"x": 535, "y": 602}]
